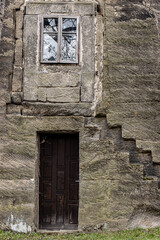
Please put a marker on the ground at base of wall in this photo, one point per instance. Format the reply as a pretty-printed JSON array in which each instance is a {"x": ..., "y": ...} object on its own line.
[{"x": 142, "y": 234}]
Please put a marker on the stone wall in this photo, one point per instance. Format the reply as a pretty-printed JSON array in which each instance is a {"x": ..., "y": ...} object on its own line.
[
  {"x": 119, "y": 133},
  {"x": 2, "y": 3},
  {"x": 131, "y": 68},
  {"x": 131, "y": 85}
]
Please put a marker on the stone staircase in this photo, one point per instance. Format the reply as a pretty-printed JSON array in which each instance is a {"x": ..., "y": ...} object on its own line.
[{"x": 137, "y": 156}]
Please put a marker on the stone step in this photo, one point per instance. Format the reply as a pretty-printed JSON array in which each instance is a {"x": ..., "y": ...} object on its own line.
[
  {"x": 137, "y": 155},
  {"x": 100, "y": 157},
  {"x": 153, "y": 146}
]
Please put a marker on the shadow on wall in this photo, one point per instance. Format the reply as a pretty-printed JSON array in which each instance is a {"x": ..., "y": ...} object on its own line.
[{"x": 134, "y": 10}]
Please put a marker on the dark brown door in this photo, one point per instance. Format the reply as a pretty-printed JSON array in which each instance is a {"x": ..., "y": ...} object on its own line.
[{"x": 59, "y": 181}]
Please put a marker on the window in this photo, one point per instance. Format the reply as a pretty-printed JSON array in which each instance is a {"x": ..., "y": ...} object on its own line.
[{"x": 59, "y": 39}]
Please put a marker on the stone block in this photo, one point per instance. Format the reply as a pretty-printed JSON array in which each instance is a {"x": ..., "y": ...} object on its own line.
[
  {"x": 19, "y": 24},
  {"x": 7, "y": 32},
  {"x": 150, "y": 146},
  {"x": 18, "y": 53},
  {"x": 50, "y": 109},
  {"x": 30, "y": 125},
  {"x": 99, "y": 30},
  {"x": 30, "y": 40},
  {"x": 25, "y": 188},
  {"x": 17, "y": 79},
  {"x": 16, "y": 97},
  {"x": 13, "y": 166},
  {"x": 13, "y": 109},
  {"x": 0, "y": 28},
  {"x": 137, "y": 108},
  {"x": 2, "y": 109},
  {"x": 2, "y": 4},
  {"x": 12, "y": 215},
  {"x": 18, "y": 3},
  {"x": 63, "y": 94},
  {"x": 6, "y": 46},
  {"x": 85, "y": 8},
  {"x": 114, "y": 116},
  {"x": 8, "y": 21},
  {"x": 134, "y": 95},
  {"x": 87, "y": 91},
  {"x": 42, "y": 94},
  {"x": 69, "y": 8},
  {"x": 139, "y": 82},
  {"x": 57, "y": 68},
  {"x": 30, "y": 86},
  {"x": 88, "y": 43},
  {"x": 6, "y": 65},
  {"x": 138, "y": 129},
  {"x": 58, "y": 79}
]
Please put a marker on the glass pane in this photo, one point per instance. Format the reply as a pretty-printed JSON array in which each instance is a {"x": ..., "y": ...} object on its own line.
[
  {"x": 69, "y": 47},
  {"x": 50, "y": 24},
  {"x": 50, "y": 43},
  {"x": 69, "y": 24}
]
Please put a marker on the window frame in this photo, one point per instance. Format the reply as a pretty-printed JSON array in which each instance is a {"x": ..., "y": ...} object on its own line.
[{"x": 59, "y": 34}]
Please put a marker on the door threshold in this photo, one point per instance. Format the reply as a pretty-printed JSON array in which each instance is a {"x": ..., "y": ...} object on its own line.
[{"x": 61, "y": 231}]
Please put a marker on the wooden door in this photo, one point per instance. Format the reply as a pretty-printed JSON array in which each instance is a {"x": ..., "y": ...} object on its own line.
[{"x": 59, "y": 181}]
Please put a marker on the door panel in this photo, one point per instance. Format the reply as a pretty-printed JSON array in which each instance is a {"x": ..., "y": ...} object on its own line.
[
  {"x": 47, "y": 191},
  {"x": 59, "y": 181},
  {"x": 73, "y": 214},
  {"x": 73, "y": 194}
]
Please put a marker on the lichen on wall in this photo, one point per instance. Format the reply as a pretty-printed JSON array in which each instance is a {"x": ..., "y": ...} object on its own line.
[
  {"x": 119, "y": 130},
  {"x": 131, "y": 66},
  {"x": 18, "y": 225},
  {"x": 131, "y": 77},
  {"x": 2, "y": 4}
]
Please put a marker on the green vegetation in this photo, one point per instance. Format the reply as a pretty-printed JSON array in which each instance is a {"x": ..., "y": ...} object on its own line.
[{"x": 135, "y": 234}]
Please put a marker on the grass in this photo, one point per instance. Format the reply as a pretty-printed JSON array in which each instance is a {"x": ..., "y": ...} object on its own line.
[{"x": 153, "y": 233}]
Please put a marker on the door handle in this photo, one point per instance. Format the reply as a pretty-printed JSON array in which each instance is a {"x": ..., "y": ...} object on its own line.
[{"x": 77, "y": 181}]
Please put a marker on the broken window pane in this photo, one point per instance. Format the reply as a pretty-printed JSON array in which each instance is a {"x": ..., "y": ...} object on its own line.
[
  {"x": 50, "y": 45},
  {"x": 69, "y": 24},
  {"x": 50, "y": 24},
  {"x": 69, "y": 43}
]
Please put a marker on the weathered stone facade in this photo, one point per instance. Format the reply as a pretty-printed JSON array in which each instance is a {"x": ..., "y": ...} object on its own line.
[
  {"x": 2, "y": 2},
  {"x": 111, "y": 98}
]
